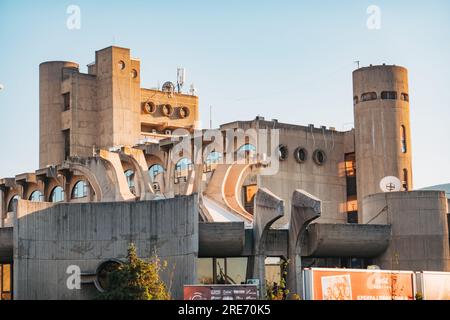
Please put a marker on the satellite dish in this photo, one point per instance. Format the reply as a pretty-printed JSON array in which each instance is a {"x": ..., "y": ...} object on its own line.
[
  {"x": 390, "y": 184},
  {"x": 168, "y": 87}
]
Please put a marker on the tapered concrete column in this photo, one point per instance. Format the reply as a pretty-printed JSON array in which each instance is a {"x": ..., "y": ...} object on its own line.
[
  {"x": 305, "y": 209},
  {"x": 268, "y": 209}
]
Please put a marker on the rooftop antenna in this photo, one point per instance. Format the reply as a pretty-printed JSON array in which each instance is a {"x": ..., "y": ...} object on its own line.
[
  {"x": 192, "y": 90},
  {"x": 357, "y": 63},
  {"x": 181, "y": 77},
  {"x": 210, "y": 117}
]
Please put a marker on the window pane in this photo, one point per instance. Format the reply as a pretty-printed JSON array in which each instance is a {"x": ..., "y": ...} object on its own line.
[
  {"x": 237, "y": 270},
  {"x": 6, "y": 278},
  {"x": 205, "y": 270}
]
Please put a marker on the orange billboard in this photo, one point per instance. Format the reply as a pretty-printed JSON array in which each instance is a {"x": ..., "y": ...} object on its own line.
[{"x": 358, "y": 284}]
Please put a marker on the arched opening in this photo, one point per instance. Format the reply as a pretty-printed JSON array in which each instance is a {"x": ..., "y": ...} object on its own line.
[
  {"x": 247, "y": 152},
  {"x": 182, "y": 168},
  {"x": 403, "y": 139},
  {"x": 36, "y": 196},
  {"x": 212, "y": 160},
  {"x": 57, "y": 195},
  {"x": 80, "y": 190},
  {"x": 129, "y": 175},
  {"x": 154, "y": 171},
  {"x": 13, "y": 203}
]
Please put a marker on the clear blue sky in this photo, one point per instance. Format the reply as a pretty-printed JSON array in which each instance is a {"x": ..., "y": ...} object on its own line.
[{"x": 289, "y": 60}]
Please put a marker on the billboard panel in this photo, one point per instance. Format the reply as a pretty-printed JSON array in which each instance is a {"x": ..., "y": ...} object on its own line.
[
  {"x": 359, "y": 284},
  {"x": 435, "y": 285}
]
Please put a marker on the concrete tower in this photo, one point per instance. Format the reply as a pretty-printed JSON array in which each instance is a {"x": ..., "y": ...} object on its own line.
[
  {"x": 382, "y": 129},
  {"x": 51, "y": 105}
]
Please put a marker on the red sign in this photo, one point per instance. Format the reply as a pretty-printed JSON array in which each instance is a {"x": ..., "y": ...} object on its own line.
[{"x": 221, "y": 292}]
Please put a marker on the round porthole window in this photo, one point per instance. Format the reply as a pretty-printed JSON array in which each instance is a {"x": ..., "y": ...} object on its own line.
[
  {"x": 300, "y": 154},
  {"x": 319, "y": 157},
  {"x": 121, "y": 65},
  {"x": 102, "y": 274},
  {"x": 282, "y": 152},
  {"x": 184, "y": 112},
  {"x": 167, "y": 110},
  {"x": 149, "y": 107},
  {"x": 134, "y": 73}
]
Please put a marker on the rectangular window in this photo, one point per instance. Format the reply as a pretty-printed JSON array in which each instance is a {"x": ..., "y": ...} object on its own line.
[
  {"x": 5, "y": 282},
  {"x": 66, "y": 134},
  {"x": 352, "y": 200},
  {"x": 66, "y": 98},
  {"x": 222, "y": 270}
]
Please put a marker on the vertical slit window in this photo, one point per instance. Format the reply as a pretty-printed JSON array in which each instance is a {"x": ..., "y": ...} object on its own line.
[{"x": 403, "y": 139}]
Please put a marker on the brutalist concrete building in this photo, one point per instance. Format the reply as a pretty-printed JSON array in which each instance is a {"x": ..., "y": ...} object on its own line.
[{"x": 122, "y": 164}]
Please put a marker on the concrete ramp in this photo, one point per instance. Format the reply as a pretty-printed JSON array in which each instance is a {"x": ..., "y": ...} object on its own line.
[{"x": 220, "y": 213}]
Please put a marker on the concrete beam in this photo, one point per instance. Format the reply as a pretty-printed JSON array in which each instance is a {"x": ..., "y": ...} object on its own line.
[
  {"x": 346, "y": 240},
  {"x": 221, "y": 239}
]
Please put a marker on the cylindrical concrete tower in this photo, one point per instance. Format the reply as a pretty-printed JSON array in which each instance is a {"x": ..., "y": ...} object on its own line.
[
  {"x": 382, "y": 129},
  {"x": 51, "y": 105}
]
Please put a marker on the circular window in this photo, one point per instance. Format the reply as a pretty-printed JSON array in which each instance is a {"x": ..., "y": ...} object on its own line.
[
  {"x": 134, "y": 74},
  {"x": 319, "y": 157},
  {"x": 102, "y": 274},
  {"x": 184, "y": 112},
  {"x": 121, "y": 65},
  {"x": 149, "y": 107},
  {"x": 282, "y": 152},
  {"x": 167, "y": 110},
  {"x": 300, "y": 154}
]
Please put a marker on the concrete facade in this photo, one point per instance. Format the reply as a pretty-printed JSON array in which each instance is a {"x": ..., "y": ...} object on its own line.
[
  {"x": 114, "y": 170},
  {"x": 419, "y": 234},
  {"x": 48, "y": 238}
]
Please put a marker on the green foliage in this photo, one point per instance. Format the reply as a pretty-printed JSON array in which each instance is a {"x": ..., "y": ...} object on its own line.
[
  {"x": 419, "y": 296},
  {"x": 279, "y": 291},
  {"x": 137, "y": 279}
]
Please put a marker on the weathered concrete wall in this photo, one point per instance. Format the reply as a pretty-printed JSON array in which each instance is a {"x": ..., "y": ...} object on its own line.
[
  {"x": 419, "y": 232},
  {"x": 50, "y": 237},
  {"x": 326, "y": 181},
  {"x": 378, "y": 123}
]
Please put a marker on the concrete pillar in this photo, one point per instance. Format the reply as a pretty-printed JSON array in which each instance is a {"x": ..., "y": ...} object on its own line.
[
  {"x": 305, "y": 208},
  {"x": 268, "y": 209}
]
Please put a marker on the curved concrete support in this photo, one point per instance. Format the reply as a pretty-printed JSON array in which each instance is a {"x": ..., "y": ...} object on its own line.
[
  {"x": 305, "y": 209},
  {"x": 6, "y": 245},
  {"x": 234, "y": 178},
  {"x": 137, "y": 159},
  {"x": 268, "y": 209},
  {"x": 122, "y": 192}
]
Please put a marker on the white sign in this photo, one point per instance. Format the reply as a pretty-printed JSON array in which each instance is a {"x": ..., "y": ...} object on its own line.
[{"x": 390, "y": 184}]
